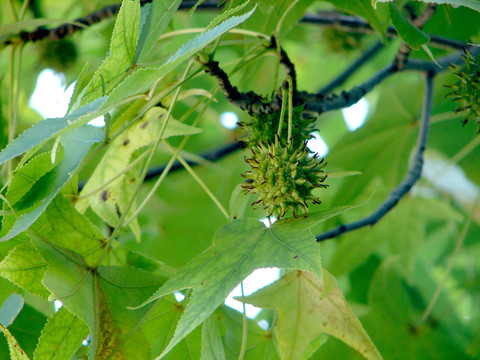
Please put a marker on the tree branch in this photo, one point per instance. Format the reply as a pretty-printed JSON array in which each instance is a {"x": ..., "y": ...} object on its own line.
[
  {"x": 339, "y": 80},
  {"x": 410, "y": 179},
  {"x": 356, "y": 24},
  {"x": 251, "y": 101},
  {"x": 107, "y": 12},
  {"x": 323, "y": 103},
  {"x": 404, "y": 50}
]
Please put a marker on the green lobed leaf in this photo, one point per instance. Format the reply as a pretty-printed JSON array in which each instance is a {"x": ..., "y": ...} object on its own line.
[
  {"x": 396, "y": 308},
  {"x": 45, "y": 130},
  {"x": 402, "y": 231},
  {"x": 412, "y": 36},
  {"x": 25, "y": 267},
  {"x": 62, "y": 336},
  {"x": 115, "y": 197},
  {"x": 364, "y": 9},
  {"x": 380, "y": 148},
  {"x": 16, "y": 352},
  {"x": 261, "y": 344},
  {"x": 473, "y": 4},
  {"x": 157, "y": 19},
  {"x": 142, "y": 79},
  {"x": 122, "y": 53},
  {"x": 212, "y": 346},
  {"x": 98, "y": 295},
  {"x": 267, "y": 18},
  {"x": 159, "y": 328},
  {"x": 308, "y": 307},
  {"x": 75, "y": 145},
  {"x": 101, "y": 298},
  {"x": 238, "y": 248}
]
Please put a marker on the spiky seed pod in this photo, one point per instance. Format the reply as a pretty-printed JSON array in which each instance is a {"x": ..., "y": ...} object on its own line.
[
  {"x": 283, "y": 177},
  {"x": 466, "y": 90},
  {"x": 264, "y": 127}
]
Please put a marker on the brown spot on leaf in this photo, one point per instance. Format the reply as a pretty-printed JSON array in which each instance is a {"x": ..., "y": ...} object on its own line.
[
  {"x": 126, "y": 142},
  {"x": 105, "y": 195},
  {"x": 295, "y": 257},
  {"x": 412, "y": 329},
  {"x": 144, "y": 125}
]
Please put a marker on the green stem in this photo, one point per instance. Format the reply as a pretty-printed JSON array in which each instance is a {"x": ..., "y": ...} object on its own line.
[
  {"x": 244, "y": 328},
  {"x": 12, "y": 9},
  {"x": 170, "y": 163},
  {"x": 282, "y": 112},
  {"x": 451, "y": 262},
  {"x": 144, "y": 173},
  {"x": 198, "y": 179},
  {"x": 24, "y": 9},
  {"x": 290, "y": 108},
  {"x": 113, "y": 178}
]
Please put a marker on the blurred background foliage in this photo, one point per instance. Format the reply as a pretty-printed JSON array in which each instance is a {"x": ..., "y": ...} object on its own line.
[{"x": 388, "y": 272}]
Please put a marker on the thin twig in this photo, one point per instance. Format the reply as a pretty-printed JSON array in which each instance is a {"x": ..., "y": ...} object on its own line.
[
  {"x": 458, "y": 246},
  {"x": 339, "y": 80},
  {"x": 211, "y": 155},
  {"x": 321, "y": 103},
  {"x": 410, "y": 179},
  {"x": 198, "y": 180}
]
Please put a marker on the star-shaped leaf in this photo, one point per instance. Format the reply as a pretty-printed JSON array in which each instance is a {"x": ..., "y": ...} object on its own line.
[
  {"x": 240, "y": 247},
  {"x": 307, "y": 307}
]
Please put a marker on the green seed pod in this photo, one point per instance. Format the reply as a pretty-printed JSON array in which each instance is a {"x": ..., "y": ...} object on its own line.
[
  {"x": 263, "y": 128},
  {"x": 284, "y": 177},
  {"x": 466, "y": 90}
]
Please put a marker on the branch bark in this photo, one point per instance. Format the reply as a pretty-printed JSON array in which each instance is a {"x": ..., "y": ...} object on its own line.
[{"x": 410, "y": 179}]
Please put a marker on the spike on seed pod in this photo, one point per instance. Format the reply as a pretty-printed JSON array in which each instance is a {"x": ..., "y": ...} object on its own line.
[
  {"x": 285, "y": 178},
  {"x": 466, "y": 90}
]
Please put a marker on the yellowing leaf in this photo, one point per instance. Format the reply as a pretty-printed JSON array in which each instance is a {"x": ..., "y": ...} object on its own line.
[
  {"x": 115, "y": 195},
  {"x": 307, "y": 309},
  {"x": 16, "y": 352}
]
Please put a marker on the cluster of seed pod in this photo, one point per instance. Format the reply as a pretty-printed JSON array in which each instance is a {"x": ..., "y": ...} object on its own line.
[
  {"x": 467, "y": 88},
  {"x": 283, "y": 170},
  {"x": 262, "y": 128},
  {"x": 284, "y": 177}
]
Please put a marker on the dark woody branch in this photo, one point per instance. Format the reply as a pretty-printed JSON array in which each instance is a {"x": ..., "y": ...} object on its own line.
[
  {"x": 404, "y": 50},
  {"x": 406, "y": 185},
  {"x": 250, "y": 101},
  {"x": 339, "y": 80},
  {"x": 107, "y": 12},
  {"x": 330, "y": 18},
  {"x": 323, "y": 103}
]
